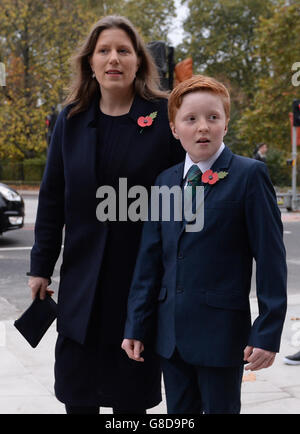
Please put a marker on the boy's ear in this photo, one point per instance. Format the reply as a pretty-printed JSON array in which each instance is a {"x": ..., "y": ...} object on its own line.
[
  {"x": 173, "y": 129},
  {"x": 226, "y": 128}
]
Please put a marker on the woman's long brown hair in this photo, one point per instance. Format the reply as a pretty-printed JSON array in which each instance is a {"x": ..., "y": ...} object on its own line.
[{"x": 83, "y": 86}]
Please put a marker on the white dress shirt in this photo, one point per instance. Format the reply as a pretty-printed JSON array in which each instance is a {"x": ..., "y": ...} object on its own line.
[{"x": 203, "y": 165}]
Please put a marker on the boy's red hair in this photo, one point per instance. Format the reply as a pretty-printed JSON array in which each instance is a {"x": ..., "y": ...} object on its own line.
[{"x": 195, "y": 84}]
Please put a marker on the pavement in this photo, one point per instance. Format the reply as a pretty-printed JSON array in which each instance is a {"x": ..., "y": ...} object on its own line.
[
  {"x": 27, "y": 377},
  {"x": 26, "y": 374}
]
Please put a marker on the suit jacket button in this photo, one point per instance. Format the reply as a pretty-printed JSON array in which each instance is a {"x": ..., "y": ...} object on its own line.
[
  {"x": 180, "y": 255},
  {"x": 179, "y": 289}
]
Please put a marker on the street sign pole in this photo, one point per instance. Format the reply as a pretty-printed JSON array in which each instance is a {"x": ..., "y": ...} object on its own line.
[{"x": 294, "y": 171}]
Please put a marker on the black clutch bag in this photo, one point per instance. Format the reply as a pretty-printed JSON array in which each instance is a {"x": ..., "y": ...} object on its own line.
[{"x": 36, "y": 320}]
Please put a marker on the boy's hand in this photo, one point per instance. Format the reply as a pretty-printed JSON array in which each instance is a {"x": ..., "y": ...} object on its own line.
[
  {"x": 133, "y": 349},
  {"x": 258, "y": 358}
]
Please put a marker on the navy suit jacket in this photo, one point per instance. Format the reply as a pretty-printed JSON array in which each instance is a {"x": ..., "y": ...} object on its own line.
[{"x": 191, "y": 289}]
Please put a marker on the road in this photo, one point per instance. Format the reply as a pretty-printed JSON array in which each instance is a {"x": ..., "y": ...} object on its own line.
[
  {"x": 15, "y": 258},
  {"x": 15, "y": 249}
]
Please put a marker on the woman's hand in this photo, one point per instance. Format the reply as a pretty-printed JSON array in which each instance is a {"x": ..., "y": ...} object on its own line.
[
  {"x": 39, "y": 285},
  {"x": 133, "y": 349}
]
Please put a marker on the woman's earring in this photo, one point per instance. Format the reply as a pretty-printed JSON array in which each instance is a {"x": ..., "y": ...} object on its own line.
[{"x": 93, "y": 75}]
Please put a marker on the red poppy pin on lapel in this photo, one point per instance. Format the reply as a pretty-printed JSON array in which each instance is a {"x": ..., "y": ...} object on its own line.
[
  {"x": 210, "y": 177},
  {"x": 146, "y": 121}
]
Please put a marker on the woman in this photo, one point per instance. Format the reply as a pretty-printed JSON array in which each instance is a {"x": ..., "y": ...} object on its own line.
[{"x": 103, "y": 134}]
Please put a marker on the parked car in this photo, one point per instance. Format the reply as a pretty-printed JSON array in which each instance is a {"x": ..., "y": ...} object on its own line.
[{"x": 11, "y": 209}]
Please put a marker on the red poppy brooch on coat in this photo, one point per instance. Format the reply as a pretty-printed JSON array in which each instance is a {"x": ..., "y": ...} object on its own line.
[
  {"x": 146, "y": 121},
  {"x": 210, "y": 177}
]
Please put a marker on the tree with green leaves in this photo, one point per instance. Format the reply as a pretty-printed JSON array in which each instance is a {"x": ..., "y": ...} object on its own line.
[
  {"x": 152, "y": 19},
  {"x": 37, "y": 38},
  {"x": 220, "y": 39},
  {"x": 103, "y": 7},
  {"x": 267, "y": 117}
]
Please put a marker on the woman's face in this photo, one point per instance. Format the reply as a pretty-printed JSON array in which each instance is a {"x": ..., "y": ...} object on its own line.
[{"x": 114, "y": 60}]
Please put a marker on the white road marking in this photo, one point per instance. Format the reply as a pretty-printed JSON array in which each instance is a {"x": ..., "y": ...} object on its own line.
[{"x": 8, "y": 249}]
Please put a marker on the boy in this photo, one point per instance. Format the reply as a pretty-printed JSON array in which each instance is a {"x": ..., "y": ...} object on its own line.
[{"x": 193, "y": 287}]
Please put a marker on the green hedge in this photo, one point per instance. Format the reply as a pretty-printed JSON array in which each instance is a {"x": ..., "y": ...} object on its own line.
[
  {"x": 34, "y": 169},
  {"x": 280, "y": 172},
  {"x": 30, "y": 170},
  {"x": 11, "y": 170}
]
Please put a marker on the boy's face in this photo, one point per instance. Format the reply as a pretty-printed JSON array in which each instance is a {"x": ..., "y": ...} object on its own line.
[{"x": 200, "y": 124}]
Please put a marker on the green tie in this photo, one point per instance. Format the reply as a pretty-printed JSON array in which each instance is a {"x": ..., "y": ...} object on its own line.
[{"x": 194, "y": 178}]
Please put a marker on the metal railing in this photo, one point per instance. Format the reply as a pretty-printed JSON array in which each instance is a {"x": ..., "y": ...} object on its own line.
[{"x": 285, "y": 200}]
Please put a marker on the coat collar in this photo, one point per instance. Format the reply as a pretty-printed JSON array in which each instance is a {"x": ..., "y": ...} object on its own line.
[
  {"x": 139, "y": 107},
  {"x": 90, "y": 115},
  {"x": 223, "y": 161}
]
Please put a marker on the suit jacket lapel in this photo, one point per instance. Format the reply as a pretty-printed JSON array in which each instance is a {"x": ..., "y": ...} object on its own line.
[
  {"x": 222, "y": 163},
  {"x": 87, "y": 146},
  {"x": 176, "y": 178}
]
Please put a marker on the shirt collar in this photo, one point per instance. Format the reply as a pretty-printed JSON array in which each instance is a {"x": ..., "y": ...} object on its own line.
[{"x": 203, "y": 165}]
